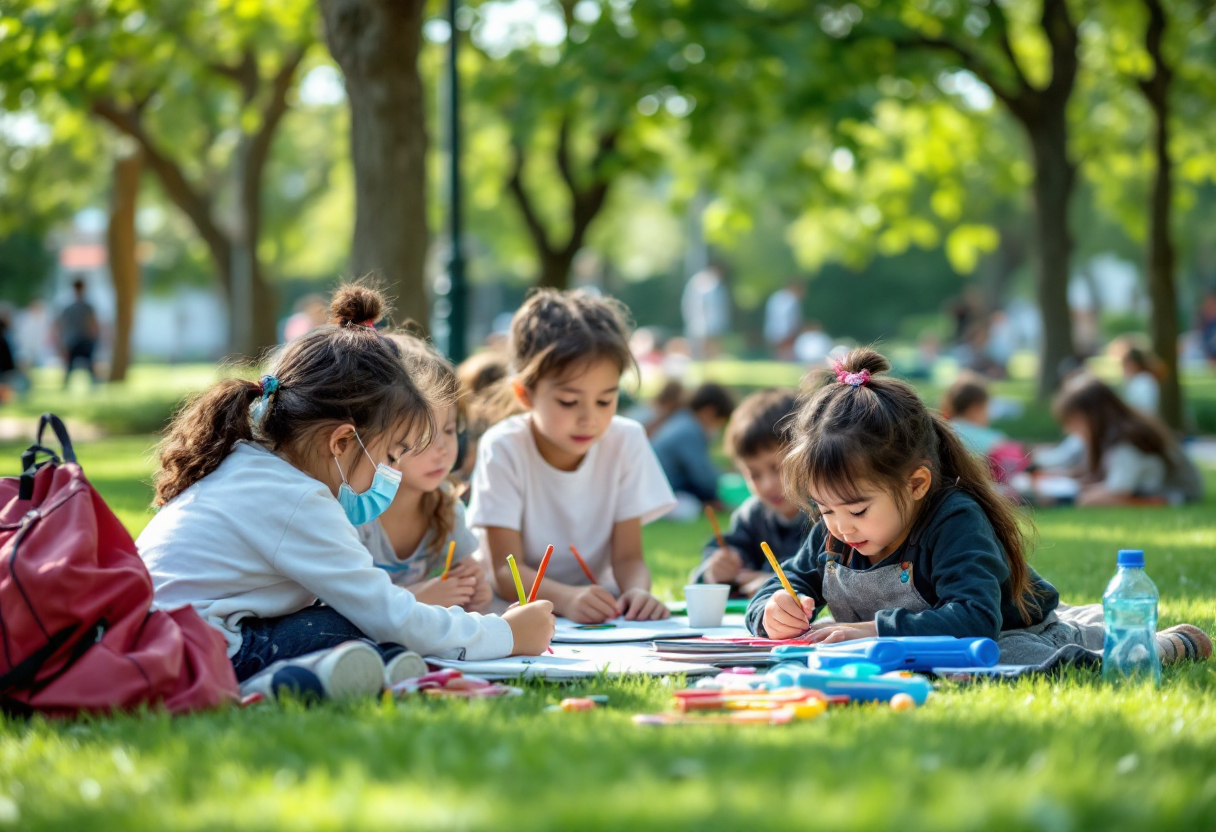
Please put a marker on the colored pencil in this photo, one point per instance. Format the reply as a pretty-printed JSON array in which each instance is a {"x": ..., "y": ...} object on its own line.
[
  {"x": 447, "y": 567},
  {"x": 583, "y": 564},
  {"x": 785, "y": 582},
  {"x": 713, "y": 522},
  {"x": 519, "y": 585},
  {"x": 540, "y": 573}
]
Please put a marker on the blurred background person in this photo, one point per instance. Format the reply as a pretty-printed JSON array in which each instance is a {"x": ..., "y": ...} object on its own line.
[
  {"x": 783, "y": 318},
  {"x": 78, "y": 334}
]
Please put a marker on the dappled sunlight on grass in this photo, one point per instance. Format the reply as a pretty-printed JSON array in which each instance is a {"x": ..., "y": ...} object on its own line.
[{"x": 1038, "y": 754}]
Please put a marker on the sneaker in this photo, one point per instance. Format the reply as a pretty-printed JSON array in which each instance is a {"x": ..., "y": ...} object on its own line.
[
  {"x": 1184, "y": 642},
  {"x": 349, "y": 670},
  {"x": 404, "y": 665}
]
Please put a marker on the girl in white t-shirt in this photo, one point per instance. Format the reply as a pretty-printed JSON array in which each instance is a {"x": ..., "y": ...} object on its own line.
[
  {"x": 260, "y": 486},
  {"x": 410, "y": 540},
  {"x": 569, "y": 472}
]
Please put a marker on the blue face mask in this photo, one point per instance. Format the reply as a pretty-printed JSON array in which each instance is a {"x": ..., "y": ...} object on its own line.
[{"x": 366, "y": 507}]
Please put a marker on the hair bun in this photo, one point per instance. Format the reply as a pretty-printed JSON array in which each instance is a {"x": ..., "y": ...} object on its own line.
[
  {"x": 864, "y": 358},
  {"x": 354, "y": 304}
]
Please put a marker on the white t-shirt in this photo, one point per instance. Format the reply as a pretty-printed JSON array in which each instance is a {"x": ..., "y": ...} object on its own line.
[
  {"x": 259, "y": 538},
  {"x": 425, "y": 559},
  {"x": 514, "y": 488},
  {"x": 1143, "y": 392}
]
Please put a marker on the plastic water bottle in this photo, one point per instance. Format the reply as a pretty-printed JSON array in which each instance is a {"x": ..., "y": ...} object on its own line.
[{"x": 1129, "y": 607}]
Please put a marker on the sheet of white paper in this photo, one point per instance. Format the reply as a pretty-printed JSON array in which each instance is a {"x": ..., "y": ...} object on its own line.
[
  {"x": 578, "y": 662},
  {"x": 623, "y": 631}
]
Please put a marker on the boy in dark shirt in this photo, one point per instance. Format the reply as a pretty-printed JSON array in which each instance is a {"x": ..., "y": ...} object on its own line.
[{"x": 755, "y": 439}]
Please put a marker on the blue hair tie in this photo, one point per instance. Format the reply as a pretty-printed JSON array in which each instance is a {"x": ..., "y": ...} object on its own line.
[{"x": 269, "y": 385}]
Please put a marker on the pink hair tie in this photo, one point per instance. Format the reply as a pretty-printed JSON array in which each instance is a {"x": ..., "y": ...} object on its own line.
[
  {"x": 851, "y": 379},
  {"x": 370, "y": 323}
]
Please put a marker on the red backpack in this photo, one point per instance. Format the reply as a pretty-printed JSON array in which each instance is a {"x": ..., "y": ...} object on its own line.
[{"x": 76, "y": 624}]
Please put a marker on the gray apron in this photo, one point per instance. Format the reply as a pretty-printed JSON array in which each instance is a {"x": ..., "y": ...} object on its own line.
[{"x": 855, "y": 595}]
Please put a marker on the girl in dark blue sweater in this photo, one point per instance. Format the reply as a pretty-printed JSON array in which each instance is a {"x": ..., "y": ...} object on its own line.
[{"x": 912, "y": 537}]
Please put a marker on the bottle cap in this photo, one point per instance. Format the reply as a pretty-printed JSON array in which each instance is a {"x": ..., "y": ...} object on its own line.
[{"x": 1131, "y": 557}]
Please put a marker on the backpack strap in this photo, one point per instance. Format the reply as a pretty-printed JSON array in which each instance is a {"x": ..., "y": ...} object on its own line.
[{"x": 29, "y": 463}]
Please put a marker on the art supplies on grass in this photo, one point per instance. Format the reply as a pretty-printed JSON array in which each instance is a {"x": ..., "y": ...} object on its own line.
[
  {"x": 919, "y": 653},
  {"x": 453, "y": 683},
  {"x": 861, "y": 682}
]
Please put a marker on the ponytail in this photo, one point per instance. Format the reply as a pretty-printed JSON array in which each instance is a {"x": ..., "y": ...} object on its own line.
[
  {"x": 202, "y": 434},
  {"x": 969, "y": 472}
]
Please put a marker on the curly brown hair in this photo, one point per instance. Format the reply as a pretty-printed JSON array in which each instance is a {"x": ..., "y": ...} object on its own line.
[{"x": 342, "y": 373}]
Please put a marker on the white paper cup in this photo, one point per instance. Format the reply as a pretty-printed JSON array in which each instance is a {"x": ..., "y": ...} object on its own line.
[{"x": 706, "y": 604}]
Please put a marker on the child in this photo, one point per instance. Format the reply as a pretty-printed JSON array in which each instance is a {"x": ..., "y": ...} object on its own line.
[
  {"x": 261, "y": 485},
  {"x": 480, "y": 376},
  {"x": 569, "y": 471},
  {"x": 965, "y": 404},
  {"x": 913, "y": 539},
  {"x": 755, "y": 439},
  {"x": 681, "y": 443},
  {"x": 410, "y": 539},
  {"x": 1141, "y": 382},
  {"x": 1131, "y": 457}
]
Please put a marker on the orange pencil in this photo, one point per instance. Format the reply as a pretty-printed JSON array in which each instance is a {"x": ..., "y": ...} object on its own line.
[
  {"x": 540, "y": 573},
  {"x": 447, "y": 567},
  {"x": 583, "y": 564},
  {"x": 713, "y": 522}
]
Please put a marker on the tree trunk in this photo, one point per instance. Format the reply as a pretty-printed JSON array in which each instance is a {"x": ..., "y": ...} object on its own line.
[
  {"x": 121, "y": 239},
  {"x": 1163, "y": 323},
  {"x": 1054, "y": 177},
  {"x": 555, "y": 268},
  {"x": 376, "y": 44}
]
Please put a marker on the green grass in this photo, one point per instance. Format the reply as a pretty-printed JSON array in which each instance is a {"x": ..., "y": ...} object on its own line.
[{"x": 1042, "y": 755}]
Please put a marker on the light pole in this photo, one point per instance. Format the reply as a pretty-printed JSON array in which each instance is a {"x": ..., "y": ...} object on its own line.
[{"x": 457, "y": 320}]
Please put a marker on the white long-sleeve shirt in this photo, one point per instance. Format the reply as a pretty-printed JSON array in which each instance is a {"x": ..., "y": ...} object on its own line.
[{"x": 259, "y": 538}]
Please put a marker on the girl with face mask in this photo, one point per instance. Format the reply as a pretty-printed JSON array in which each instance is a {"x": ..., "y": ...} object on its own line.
[{"x": 259, "y": 489}]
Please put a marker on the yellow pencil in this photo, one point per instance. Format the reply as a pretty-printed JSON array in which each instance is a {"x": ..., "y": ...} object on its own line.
[
  {"x": 785, "y": 582},
  {"x": 448, "y": 566},
  {"x": 519, "y": 585}
]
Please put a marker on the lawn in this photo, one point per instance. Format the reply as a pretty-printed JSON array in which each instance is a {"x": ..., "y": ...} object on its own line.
[{"x": 1065, "y": 755}]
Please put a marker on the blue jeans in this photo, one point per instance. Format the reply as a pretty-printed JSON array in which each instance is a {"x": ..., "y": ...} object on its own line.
[{"x": 265, "y": 641}]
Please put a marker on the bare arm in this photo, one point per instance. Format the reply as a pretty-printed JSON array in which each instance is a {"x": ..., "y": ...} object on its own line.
[{"x": 632, "y": 576}]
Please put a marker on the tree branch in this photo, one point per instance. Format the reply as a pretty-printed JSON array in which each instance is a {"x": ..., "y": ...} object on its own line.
[
  {"x": 998, "y": 16},
  {"x": 588, "y": 202},
  {"x": 972, "y": 62},
  {"x": 516, "y": 185},
  {"x": 563, "y": 155},
  {"x": 272, "y": 114},
  {"x": 196, "y": 205},
  {"x": 244, "y": 73},
  {"x": 1156, "y": 87}
]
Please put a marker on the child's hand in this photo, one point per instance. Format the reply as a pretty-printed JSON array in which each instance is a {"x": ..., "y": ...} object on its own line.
[
  {"x": 843, "y": 632},
  {"x": 483, "y": 595},
  {"x": 589, "y": 605},
  {"x": 750, "y": 581},
  {"x": 783, "y": 618},
  {"x": 640, "y": 605},
  {"x": 454, "y": 592},
  {"x": 532, "y": 627},
  {"x": 723, "y": 567}
]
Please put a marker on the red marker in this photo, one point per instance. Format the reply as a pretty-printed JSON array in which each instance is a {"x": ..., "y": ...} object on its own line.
[
  {"x": 583, "y": 564},
  {"x": 540, "y": 573}
]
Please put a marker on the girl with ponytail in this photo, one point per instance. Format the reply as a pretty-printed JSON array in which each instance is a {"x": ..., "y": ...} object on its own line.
[
  {"x": 259, "y": 489},
  {"x": 912, "y": 537}
]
